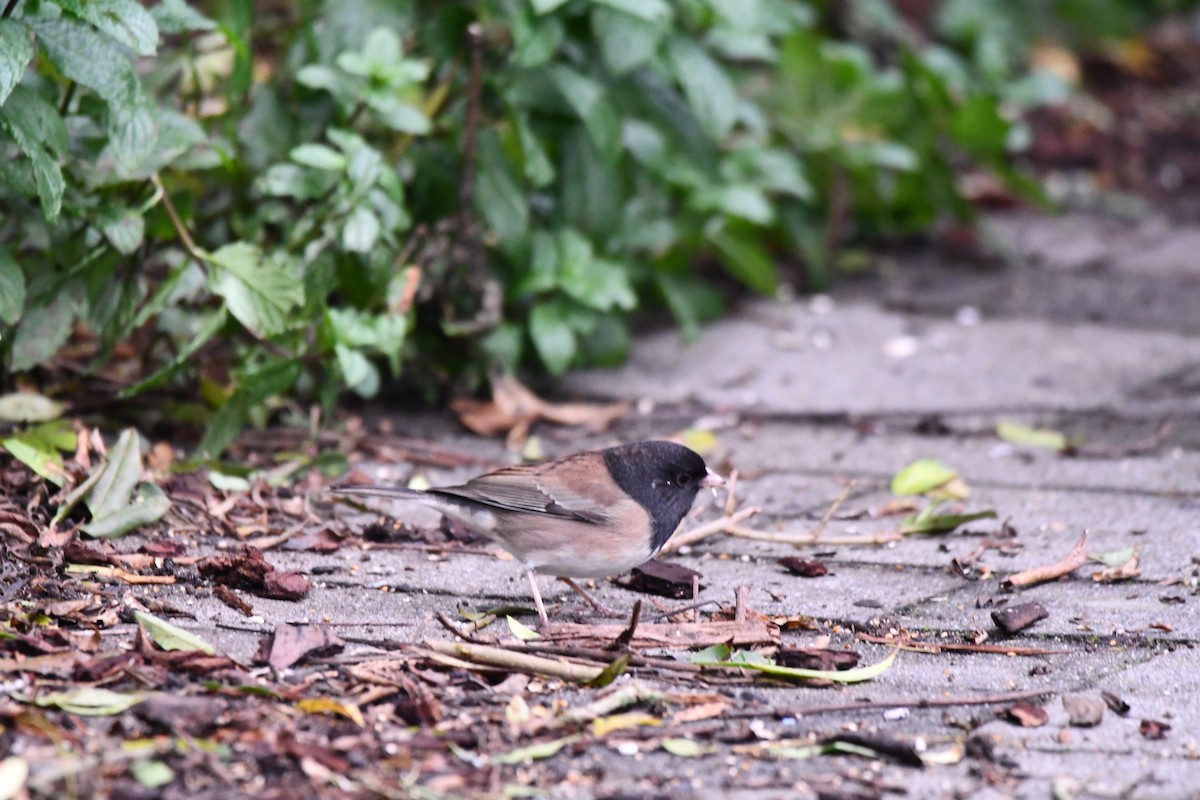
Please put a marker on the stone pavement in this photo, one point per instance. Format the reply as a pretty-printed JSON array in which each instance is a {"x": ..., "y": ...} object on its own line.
[{"x": 1090, "y": 328}]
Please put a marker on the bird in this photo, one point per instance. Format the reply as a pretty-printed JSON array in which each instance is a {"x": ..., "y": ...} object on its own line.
[{"x": 593, "y": 514}]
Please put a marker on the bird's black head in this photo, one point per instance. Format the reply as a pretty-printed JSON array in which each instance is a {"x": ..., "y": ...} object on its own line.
[{"x": 663, "y": 477}]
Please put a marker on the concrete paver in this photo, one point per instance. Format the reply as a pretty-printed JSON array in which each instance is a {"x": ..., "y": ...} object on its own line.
[{"x": 815, "y": 393}]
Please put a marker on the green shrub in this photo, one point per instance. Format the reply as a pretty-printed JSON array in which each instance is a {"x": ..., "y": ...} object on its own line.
[{"x": 290, "y": 200}]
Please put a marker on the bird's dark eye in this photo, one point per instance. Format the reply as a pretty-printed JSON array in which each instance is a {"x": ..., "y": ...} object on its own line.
[{"x": 683, "y": 479}]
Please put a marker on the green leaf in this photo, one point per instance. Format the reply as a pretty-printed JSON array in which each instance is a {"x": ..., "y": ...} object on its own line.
[
  {"x": 176, "y": 16},
  {"x": 148, "y": 504},
  {"x": 358, "y": 373},
  {"x": 594, "y": 282},
  {"x": 152, "y": 774},
  {"x": 744, "y": 255},
  {"x": 29, "y": 407},
  {"x": 586, "y": 97},
  {"x": 552, "y": 337},
  {"x": 941, "y": 523},
  {"x": 41, "y": 134},
  {"x": 498, "y": 196},
  {"x": 12, "y": 289},
  {"x": 124, "y": 20},
  {"x": 1017, "y": 433},
  {"x": 360, "y": 231},
  {"x": 715, "y": 652},
  {"x": 208, "y": 328},
  {"x": 172, "y": 637},
  {"x": 91, "y": 701},
  {"x": 610, "y": 673},
  {"x": 38, "y": 448},
  {"x": 16, "y": 51},
  {"x": 658, "y": 11},
  {"x": 124, "y": 229},
  {"x": 591, "y": 188},
  {"x": 538, "y": 168},
  {"x": 95, "y": 61},
  {"x": 626, "y": 41},
  {"x": 979, "y": 128},
  {"x": 685, "y": 748},
  {"x": 318, "y": 156},
  {"x": 690, "y": 300},
  {"x": 546, "y": 6},
  {"x": 259, "y": 293},
  {"x": 254, "y": 388},
  {"x": 921, "y": 477},
  {"x": 535, "y": 752},
  {"x": 44, "y": 328},
  {"x": 757, "y": 662},
  {"x": 118, "y": 475},
  {"x": 1114, "y": 558},
  {"x": 707, "y": 86},
  {"x": 521, "y": 631}
]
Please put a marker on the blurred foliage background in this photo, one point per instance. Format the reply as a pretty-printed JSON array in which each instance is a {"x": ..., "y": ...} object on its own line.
[{"x": 227, "y": 203}]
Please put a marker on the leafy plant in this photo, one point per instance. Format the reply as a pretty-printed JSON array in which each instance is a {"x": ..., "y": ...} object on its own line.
[{"x": 238, "y": 204}]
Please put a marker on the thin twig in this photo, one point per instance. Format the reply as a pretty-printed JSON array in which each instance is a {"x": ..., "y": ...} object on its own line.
[
  {"x": 720, "y": 525},
  {"x": 8, "y": 9},
  {"x": 837, "y": 503},
  {"x": 934, "y": 648},
  {"x": 678, "y": 611},
  {"x": 808, "y": 539},
  {"x": 180, "y": 228},
  {"x": 488, "y": 656},
  {"x": 1031, "y": 577},
  {"x": 600, "y": 656},
  {"x": 622, "y": 641},
  {"x": 632, "y": 693},
  {"x": 731, "y": 501},
  {"x": 468, "y": 635},
  {"x": 904, "y": 702}
]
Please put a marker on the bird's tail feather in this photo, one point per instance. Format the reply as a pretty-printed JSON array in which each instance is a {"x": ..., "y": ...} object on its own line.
[{"x": 379, "y": 490}]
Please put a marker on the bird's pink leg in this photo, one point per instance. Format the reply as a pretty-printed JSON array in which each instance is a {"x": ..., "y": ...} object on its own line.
[{"x": 537, "y": 597}]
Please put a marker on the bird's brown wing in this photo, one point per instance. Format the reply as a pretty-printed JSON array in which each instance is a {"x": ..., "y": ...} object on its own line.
[
  {"x": 578, "y": 487},
  {"x": 556, "y": 489}
]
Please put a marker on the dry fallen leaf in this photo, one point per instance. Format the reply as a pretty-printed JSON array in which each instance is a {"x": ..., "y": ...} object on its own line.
[
  {"x": 1027, "y": 715},
  {"x": 514, "y": 409},
  {"x": 1125, "y": 572}
]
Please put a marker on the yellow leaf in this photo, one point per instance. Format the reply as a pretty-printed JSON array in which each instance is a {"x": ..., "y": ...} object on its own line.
[
  {"x": 327, "y": 705},
  {"x": 619, "y": 722}
]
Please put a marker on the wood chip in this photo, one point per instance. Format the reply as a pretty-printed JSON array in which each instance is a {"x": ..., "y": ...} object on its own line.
[
  {"x": 1083, "y": 711},
  {"x": 1027, "y": 715},
  {"x": 1019, "y": 617},
  {"x": 663, "y": 578}
]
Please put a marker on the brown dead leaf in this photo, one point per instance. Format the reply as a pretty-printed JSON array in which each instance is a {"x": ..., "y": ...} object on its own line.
[
  {"x": 816, "y": 658},
  {"x": 1153, "y": 729},
  {"x": 1027, "y": 715},
  {"x": 57, "y": 665},
  {"x": 804, "y": 568},
  {"x": 513, "y": 410},
  {"x": 248, "y": 569},
  {"x": 291, "y": 643},
  {"x": 231, "y": 599},
  {"x": 699, "y": 712},
  {"x": 1125, "y": 572}
]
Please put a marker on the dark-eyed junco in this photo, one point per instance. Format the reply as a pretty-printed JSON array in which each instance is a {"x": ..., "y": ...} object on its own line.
[{"x": 590, "y": 515}]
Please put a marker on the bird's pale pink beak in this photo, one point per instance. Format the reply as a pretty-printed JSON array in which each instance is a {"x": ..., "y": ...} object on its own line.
[{"x": 712, "y": 480}]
